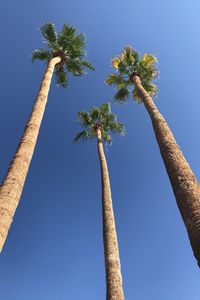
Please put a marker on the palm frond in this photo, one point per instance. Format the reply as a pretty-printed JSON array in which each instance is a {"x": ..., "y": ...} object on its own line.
[
  {"x": 147, "y": 68},
  {"x": 136, "y": 96},
  {"x": 127, "y": 64},
  {"x": 41, "y": 54},
  {"x": 148, "y": 60},
  {"x": 105, "y": 109},
  {"x": 107, "y": 138},
  {"x": 87, "y": 64},
  {"x": 66, "y": 36},
  {"x": 79, "y": 42},
  {"x": 117, "y": 127},
  {"x": 150, "y": 88},
  {"x": 136, "y": 57},
  {"x": 127, "y": 56},
  {"x": 124, "y": 69},
  {"x": 69, "y": 46},
  {"x": 122, "y": 95},
  {"x": 74, "y": 67},
  {"x": 84, "y": 118},
  {"x": 108, "y": 120},
  {"x": 67, "y": 31},
  {"x": 114, "y": 79},
  {"x": 61, "y": 77},
  {"x": 83, "y": 135},
  {"x": 94, "y": 113},
  {"x": 48, "y": 32},
  {"x": 116, "y": 61},
  {"x": 99, "y": 118}
]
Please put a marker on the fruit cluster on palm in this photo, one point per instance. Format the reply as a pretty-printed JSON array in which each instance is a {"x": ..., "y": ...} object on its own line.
[{"x": 99, "y": 123}]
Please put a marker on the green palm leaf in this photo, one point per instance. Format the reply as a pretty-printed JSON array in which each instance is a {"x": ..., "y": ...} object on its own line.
[
  {"x": 136, "y": 96},
  {"x": 74, "y": 67},
  {"x": 114, "y": 79},
  {"x": 87, "y": 64},
  {"x": 95, "y": 114},
  {"x": 107, "y": 138},
  {"x": 49, "y": 33},
  {"x": 84, "y": 117},
  {"x": 117, "y": 127},
  {"x": 79, "y": 42},
  {"x": 122, "y": 95},
  {"x": 99, "y": 118},
  {"x": 105, "y": 109},
  {"x": 127, "y": 65},
  {"x": 81, "y": 136},
  {"x": 61, "y": 77},
  {"x": 41, "y": 54},
  {"x": 128, "y": 56},
  {"x": 69, "y": 46},
  {"x": 68, "y": 32}
]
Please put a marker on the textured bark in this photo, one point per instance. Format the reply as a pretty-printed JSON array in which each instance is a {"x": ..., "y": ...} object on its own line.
[
  {"x": 12, "y": 186},
  {"x": 114, "y": 290},
  {"x": 185, "y": 186}
]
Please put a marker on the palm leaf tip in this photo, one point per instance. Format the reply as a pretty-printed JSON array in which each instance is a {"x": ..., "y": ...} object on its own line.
[
  {"x": 118, "y": 128},
  {"x": 84, "y": 118},
  {"x": 61, "y": 77},
  {"x": 116, "y": 61},
  {"x": 127, "y": 56},
  {"x": 105, "y": 108},
  {"x": 81, "y": 136},
  {"x": 122, "y": 95},
  {"x": 150, "y": 87},
  {"x": 148, "y": 59},
  {"x": 87, "y": 64},
  {"x": 68, "y": 31},
  {"x": 79, "y": 41},
  {"x": 48, "y": 32},
  {"x": 107, "y": 138},
  {"x": 113, "y": 79},
  {"x": 41, "y": 54}
]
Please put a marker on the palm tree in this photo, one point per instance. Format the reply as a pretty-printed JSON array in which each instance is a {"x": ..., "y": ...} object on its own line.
[
  {"x": 99, "y": 123},
  {"x": 64, "y": 54},
  {"x": 134, "y": 78}
]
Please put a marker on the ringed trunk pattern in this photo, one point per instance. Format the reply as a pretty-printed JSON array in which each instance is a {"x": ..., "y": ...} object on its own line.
[
  {"x": 12, "y": 186},
  {"x": 185, "y": 186},
  {"x": 114, "y": 290}
]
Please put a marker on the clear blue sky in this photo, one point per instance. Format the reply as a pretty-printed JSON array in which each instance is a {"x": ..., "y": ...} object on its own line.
[{"x": 54, "y": 250}]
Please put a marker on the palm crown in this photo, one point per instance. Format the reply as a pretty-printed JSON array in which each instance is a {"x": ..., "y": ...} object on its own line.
[
  {"x": 69, "y": 46},
  {"x": 99, "y": 118},
  {"x": 130, "y": 64}
]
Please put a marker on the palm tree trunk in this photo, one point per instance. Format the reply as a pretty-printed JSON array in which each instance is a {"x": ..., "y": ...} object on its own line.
[
  {"x": 114, "y": 290},
  {"x": 185, "y": 186},
  {"x": 12, "y": 186}
]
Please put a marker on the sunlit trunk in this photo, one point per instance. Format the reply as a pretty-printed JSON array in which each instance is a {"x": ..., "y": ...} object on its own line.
[
  {"x": 185, "y": 186},
  {"x": 114, "y": 290},
  {"x": 12, "y": 186}
]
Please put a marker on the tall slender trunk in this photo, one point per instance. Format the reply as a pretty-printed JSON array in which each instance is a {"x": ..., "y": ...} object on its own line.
[
  {"x": 114, "y": 290},
  {"x": 12, "y": 186},
  {"x": 185, "y": 186}
]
